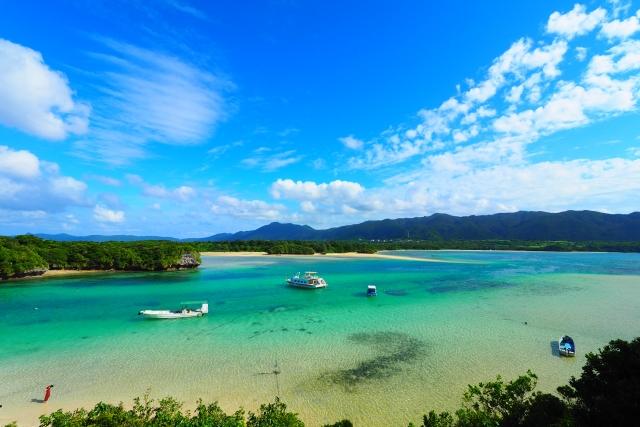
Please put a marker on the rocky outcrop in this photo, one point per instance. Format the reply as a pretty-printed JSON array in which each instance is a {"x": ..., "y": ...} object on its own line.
[
  {"x": 187, "y": 260},
  {"x": 38, "y": 271}
]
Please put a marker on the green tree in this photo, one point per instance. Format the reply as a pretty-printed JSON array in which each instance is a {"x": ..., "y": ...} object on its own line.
[
  {"x": 503, "y": 404},
  {"x": 608, "y": 390},
  {"x": 274, "y": 415},
  {"x": 341, "y": 423}
]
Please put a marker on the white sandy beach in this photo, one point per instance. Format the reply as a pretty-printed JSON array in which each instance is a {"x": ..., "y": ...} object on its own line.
[{"x": 349, "y": 255}]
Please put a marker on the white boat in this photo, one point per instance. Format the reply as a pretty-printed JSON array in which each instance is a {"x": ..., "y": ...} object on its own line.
[
  {"x": 177, "y": 314},
  {"x": 310, "y": 280},
  {"x": 372, "y": 291}
]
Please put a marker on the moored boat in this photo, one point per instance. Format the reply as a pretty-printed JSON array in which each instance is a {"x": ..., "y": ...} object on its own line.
[
  {"x": 372, "y": 291},
  {"x": 183, "y": 313},
  {"x": 310, "y": 280},
  {"x": 566, "y": 346}
]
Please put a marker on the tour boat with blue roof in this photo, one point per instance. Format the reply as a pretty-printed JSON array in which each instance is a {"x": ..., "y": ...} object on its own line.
[{"x": 308, "y": 280}]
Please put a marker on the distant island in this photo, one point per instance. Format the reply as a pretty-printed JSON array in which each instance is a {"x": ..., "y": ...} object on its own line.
[{"x": 34, "y": 255}]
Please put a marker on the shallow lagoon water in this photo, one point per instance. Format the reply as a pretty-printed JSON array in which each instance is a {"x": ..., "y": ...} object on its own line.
[{"x": 382, "y": 361}]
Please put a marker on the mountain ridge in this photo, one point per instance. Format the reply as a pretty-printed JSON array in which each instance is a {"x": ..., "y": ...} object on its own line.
[{"x": 522, "y": 225}]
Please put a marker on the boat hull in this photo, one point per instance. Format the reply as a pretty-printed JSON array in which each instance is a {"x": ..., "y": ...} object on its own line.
[
  {"x": 168, "y": 314},
  {"x": 162, "y": 314},
  {"x": 306, "y": 286}
]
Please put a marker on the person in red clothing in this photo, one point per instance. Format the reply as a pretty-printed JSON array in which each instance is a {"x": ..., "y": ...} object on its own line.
[{"x": 47, "y": 392}]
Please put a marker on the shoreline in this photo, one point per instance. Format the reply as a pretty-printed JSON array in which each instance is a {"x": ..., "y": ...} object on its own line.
[
  {"x": 50, "y": 274},
  {"x": 346, "y": 255},
  {"x": 349, "y": 255}
]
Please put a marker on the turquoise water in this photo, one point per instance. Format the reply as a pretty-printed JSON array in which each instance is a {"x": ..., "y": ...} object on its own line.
[{"x": 435, "y": 327}]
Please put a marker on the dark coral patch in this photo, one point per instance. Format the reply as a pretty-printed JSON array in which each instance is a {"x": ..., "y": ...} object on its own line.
[{"x": 394, "y": 351}]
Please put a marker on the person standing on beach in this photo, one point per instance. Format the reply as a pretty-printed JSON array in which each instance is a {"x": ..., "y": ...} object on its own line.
[{"x": 47, "y": 392}]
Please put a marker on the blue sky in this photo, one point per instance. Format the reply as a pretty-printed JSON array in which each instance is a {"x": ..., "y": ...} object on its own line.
[{"x": 185, "y": 118}]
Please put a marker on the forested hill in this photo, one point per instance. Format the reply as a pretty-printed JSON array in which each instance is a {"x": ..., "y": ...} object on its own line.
[{"x": 541, "y": 226}]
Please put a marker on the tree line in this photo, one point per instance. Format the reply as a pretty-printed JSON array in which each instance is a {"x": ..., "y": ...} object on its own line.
[
  {"x": 607, "y": 393},
  {"x": 367, "y": 246},
  {"x": 29, "y": 255}
]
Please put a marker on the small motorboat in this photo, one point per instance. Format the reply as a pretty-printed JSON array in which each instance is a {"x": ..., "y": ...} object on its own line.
[
  {"x": 183, "y": 313},
  {"x": 566, "y": 346},
  {"x": 372, "y": 291}
]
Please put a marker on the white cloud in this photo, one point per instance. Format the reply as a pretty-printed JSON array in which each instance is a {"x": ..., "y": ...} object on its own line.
[
  {"x": 570, "y": 107},
  {"x": 251, "y": 209},
  {"x": 28, "y": 184},
  {"x": 488, "y": 179},
  {"x": 460, "y": 120},
  {"x": 621, "y": 29},
  {"x": 576, "y": 22},
  {"x": 309, "y": 190},
  {"x": 18, "y": 164},
  {"x": 36, "y": 99},
  {"x": 103, "y": 214},
  {"x": 351, "y": 142},
  {"x": 520, "y": 58}
]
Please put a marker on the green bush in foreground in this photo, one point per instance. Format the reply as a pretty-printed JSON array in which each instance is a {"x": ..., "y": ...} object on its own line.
[
  {"x": 606, "y": 394},
  {"x": 168, "y": 413},
  {"x": 497, "y": 403}
]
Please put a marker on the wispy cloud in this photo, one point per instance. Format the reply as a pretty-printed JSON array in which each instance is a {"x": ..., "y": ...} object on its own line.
[
  {"x": 106, "y": 180},
  {"x": 185, "y": 7},
  {"x": 145, "y": 96},
  {"x": 268, "y": 161},
  {"x": 181, "y": 193},
  {"x": 219, "y": 150},
  {"x": 288, "y": 132}
]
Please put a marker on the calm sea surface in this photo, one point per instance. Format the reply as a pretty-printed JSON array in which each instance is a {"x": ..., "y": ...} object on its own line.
[{"x": 383, "y": 361}]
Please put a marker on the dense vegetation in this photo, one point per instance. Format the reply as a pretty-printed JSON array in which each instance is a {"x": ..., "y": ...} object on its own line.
[
  {"x": 26, "y": 255},
  {"x": 30, "y": 255},
  {"x": 341, "y": 246},
  {"x": 606, "y": 394}
]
